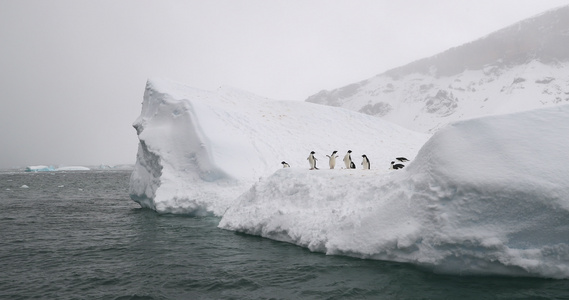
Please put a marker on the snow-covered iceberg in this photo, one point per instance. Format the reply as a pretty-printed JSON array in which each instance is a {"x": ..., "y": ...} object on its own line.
[
  {"x": 199, "y": 150},
  {"x": 483, "y": 196}
]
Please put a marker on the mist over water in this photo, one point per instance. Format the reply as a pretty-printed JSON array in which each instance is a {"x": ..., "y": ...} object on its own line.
[{"x": 72, "y": 235}]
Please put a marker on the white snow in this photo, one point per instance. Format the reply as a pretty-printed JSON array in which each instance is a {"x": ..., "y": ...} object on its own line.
[{"x": 482, "y": 196}]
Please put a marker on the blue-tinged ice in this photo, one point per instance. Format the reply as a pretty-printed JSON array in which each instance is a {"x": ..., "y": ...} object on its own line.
[{"x": 40, "y": 168}]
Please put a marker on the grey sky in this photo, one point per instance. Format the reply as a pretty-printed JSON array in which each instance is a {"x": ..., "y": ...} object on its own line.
[{"x": 72, "y": 73}]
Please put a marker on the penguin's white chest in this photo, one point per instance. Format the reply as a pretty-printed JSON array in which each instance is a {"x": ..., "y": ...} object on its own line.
[
  {"x": 312, "y": 161},
  {"x": 347, "y": 161}
]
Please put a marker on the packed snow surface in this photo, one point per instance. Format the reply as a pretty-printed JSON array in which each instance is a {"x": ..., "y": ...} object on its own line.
[
  {"x": 482, "y": 196},
  {"x": 199, "y": 150}
]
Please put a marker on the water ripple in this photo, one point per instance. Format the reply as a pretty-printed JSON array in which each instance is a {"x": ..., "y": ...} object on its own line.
[{"x": 87, "y": 240}]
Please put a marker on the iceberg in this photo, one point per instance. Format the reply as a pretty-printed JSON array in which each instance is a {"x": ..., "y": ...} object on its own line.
[
  {"x": 199, "y": 150},
  {"x": 40, "y": 168},
  {"x": 482, "y": 196},
  {"x": 485, "y": 196},
  {"x": 73, "y": 168}
]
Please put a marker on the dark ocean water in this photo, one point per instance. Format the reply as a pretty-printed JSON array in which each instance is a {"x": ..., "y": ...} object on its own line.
[{"x": 77, "y": 235}]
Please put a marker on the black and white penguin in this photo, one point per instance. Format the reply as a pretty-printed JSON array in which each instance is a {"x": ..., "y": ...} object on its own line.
[
  {"x": 285, "y": 165},
  {"x": 395, "y": 166},
  {"x": 365, "y": 162},
  {"x": 348, "y": 160},
  {"x": 332, "y": 158},
  {"x": 312, "y": 161},
  {"x": 401, "y": 159}
]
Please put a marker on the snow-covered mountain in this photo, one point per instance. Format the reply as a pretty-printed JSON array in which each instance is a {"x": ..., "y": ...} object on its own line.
[{"x": 521, "y": 67}]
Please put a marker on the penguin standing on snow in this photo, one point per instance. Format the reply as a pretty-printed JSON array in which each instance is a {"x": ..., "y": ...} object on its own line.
[
  {"x": 365, "y": 162},
  {"x": 332, "y": 159},
  {"x": 348, "y": 160},
  {"x": 285, "y": 165},
  {"x": 395, "y": 166},
  {"x": 312, "y": 161}
]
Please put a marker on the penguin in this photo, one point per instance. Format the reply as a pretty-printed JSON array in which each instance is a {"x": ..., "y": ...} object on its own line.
[
  {"x": 285, "y": 165},
  {"x": 348, "y": 160},
  {"x": 395, "y": 166},
  {"x": 401, "y": 159},
  {"x": 365, "y": 162},
  {"x": 312, "y": 161},
  {"x": 332, "y": 159}
]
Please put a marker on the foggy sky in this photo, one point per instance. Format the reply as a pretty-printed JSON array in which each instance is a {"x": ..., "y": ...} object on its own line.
[{"x": 72, "y": 73}]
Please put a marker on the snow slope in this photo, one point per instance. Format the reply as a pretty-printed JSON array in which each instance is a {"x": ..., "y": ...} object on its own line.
[
  {"x": 425, "y": 103},
  {"x": 199, "y": 150},
  {"x": 522, "y": 67},
  {"x": 482, "y": 196}
]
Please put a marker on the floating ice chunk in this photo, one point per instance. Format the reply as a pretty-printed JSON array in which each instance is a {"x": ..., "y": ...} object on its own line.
[
  {"x": 73, "y": 168},
  {"x": 39, "y": 168}
]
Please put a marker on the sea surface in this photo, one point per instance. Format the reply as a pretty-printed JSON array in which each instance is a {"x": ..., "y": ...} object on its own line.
[{"x": 77, "y": 235}]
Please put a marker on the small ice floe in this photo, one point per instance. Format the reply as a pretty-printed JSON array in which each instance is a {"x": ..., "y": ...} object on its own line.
[
  {"x": 73, "y": 168},
  {"x": 39, "y": 169},
  {"x": 60, "y": 186},
  {"x": 25, "y": 187}
]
